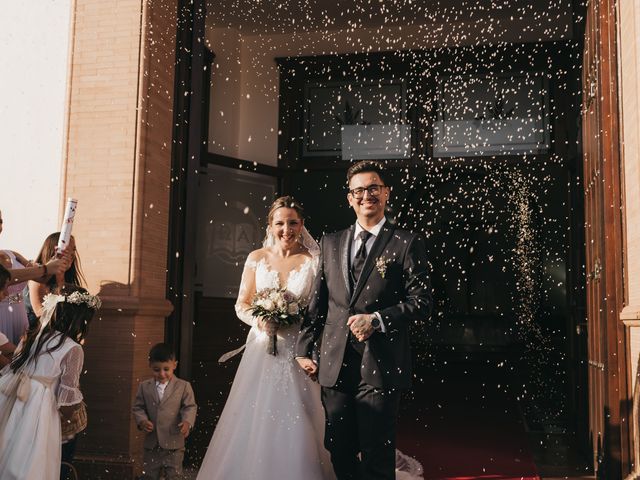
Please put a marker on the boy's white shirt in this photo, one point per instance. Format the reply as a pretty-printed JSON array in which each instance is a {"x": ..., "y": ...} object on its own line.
[{"x": 160, "y": 387}]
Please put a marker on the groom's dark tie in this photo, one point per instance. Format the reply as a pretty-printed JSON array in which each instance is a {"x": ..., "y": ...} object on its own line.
[
  {"x": 356, "y": 269},
  {"x": 361, "y": 256}
]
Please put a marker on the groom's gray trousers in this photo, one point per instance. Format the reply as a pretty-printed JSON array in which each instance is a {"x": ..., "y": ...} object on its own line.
[{"x": 360, "y": 419}]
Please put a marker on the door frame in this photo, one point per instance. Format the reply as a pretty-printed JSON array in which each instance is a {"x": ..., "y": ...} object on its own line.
[
  {"x": 618, "y": 442},
  {"x": 190, "y": 157},
  {"x": 187, "y": 157},
  {"x": 190, "y": 122}
]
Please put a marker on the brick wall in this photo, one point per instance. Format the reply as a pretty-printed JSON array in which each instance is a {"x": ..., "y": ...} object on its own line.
[{"x": 118, "y": 167}]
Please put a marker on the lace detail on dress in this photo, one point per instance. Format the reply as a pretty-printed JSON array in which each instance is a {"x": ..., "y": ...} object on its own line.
[
  {"x": 298, "y": 282},
  {"x": 69, "y": 388},
  {"x": 250, "y": 263},
  {"x": 258, "y": 275},
  {"x": 69, "y": 396},
  {"x": 247, "y": 289}
]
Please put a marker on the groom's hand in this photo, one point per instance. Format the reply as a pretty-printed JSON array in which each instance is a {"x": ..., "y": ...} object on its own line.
[
  {"x": 360, "y": 326},
  {"x": 309, "y": 366}
]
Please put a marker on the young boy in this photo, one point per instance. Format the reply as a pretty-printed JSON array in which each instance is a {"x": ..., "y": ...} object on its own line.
[{"x": 165, "y": 408}]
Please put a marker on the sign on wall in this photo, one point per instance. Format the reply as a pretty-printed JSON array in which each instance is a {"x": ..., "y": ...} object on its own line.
[{"x": 232, "y": 211}]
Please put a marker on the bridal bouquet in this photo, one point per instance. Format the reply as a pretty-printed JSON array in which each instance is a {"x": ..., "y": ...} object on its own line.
[{"x": 278, "y": 305}]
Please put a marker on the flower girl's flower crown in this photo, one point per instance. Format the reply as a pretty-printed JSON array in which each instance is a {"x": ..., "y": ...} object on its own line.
[
  {"x": 92, "y": 301},
  {"x": 77, "y": 298}
]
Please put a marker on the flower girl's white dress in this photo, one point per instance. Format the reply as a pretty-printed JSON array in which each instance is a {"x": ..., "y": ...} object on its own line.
[
  {"x": 272, "y": 426},
  {"x": 30, "y": 438}
]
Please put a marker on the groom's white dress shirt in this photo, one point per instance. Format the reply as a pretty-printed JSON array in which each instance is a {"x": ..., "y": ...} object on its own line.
[
  {"x": 356, "y": 238},
  {"x": 375, "y": 230}
]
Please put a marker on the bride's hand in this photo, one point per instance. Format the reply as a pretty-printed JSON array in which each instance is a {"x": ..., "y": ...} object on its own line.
[
  {"x": 309, "y": 366},
  {"x": 268, "y": 326}
]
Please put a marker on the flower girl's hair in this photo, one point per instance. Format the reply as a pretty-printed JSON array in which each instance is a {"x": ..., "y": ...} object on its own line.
[{"x": 74, "y": 309}]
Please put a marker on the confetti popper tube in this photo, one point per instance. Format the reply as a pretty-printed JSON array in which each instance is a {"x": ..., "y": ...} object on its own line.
[{"x": 67, "y": 223}]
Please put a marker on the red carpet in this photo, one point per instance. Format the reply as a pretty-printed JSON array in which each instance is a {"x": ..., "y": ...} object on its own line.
[{"x": 465, "y": 428}]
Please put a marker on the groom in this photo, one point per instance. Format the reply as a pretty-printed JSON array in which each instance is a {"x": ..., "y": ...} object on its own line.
[{"x": 372, "y": 284}]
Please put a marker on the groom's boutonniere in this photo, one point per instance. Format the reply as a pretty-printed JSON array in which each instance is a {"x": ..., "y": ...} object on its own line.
[{"x": 381, "y": 265}]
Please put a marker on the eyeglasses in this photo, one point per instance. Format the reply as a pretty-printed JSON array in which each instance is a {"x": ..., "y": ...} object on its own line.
[{"x": 374, "y": 190}]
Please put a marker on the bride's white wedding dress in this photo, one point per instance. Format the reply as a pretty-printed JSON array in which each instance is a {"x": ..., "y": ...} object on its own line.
[{"x": 272, "y": 426}]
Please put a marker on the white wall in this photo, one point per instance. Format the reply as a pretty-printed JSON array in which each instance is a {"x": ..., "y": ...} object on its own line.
[
  {"x": 34, "y": 48},
  {"x": 225, "y": 91}
]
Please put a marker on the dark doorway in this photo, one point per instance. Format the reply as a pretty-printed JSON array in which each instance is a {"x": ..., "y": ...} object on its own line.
[
  {"x": 232, "y": 208},
  {"x": 488, "y": 316},
  {"x": 503, "y": 231}
]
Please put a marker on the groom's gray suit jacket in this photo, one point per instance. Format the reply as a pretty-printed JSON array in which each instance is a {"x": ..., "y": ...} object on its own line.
[{"x": 394, "y": 282}]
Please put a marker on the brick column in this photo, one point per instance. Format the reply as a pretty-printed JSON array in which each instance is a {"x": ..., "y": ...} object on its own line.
[
  {"x": 118, "y": 161},
  {"x": 629, "y": 78}
]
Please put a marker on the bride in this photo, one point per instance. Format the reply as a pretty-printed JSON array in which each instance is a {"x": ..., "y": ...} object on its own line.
[{"x": 272, "y": 426}]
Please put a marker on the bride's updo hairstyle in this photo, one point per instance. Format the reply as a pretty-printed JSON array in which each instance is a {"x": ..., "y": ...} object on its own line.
[{"x": 285, "y": 202}]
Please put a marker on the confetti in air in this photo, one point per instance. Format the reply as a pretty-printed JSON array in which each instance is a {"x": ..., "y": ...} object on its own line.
[{"x": 473, "y": 106}]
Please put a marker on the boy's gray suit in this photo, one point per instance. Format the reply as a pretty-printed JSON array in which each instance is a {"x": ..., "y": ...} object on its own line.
[{"x": 164, "y": 446}]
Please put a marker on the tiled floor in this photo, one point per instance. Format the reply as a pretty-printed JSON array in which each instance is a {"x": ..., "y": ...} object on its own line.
[{"x": 191, "y": 475}]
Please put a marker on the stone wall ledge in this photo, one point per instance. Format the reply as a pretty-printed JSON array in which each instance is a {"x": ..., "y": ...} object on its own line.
[
  {"x": 630, "y": 316},
  {"x": 135, "y": 306}
]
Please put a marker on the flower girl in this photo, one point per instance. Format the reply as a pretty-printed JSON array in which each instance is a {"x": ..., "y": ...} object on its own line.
[{"x": 41, "y": 384}]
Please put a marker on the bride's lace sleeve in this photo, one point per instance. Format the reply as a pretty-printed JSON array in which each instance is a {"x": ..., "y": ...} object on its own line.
[
  {"x": 69, "y": 388},
  {"x": 247, "y": 290}
]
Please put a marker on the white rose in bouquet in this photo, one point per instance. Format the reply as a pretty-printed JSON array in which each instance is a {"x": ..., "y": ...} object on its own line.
[
  {"x": 268, "y": 304},
  {"x": 260, "y": 302}
]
